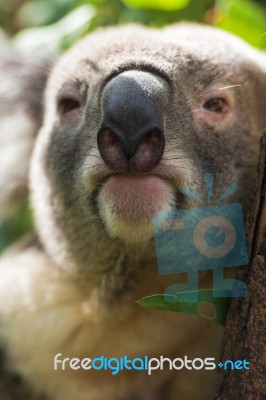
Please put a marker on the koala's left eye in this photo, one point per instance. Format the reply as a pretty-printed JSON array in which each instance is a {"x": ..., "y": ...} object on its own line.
[
  {"x": 217, "y": 105},
  {"x": 68, "y": 104}
]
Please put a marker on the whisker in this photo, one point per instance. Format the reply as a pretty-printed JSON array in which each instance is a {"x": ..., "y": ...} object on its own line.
[{"x": 229, "y": 87}]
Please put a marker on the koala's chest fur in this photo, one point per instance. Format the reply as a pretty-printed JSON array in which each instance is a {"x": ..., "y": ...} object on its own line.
[{"x": 48, "y": 313}]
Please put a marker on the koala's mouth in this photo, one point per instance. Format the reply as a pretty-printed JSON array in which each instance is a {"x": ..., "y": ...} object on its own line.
[{"x": 135, "y": 198}]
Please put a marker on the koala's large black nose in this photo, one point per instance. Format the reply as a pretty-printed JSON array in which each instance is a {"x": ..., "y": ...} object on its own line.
[{"x": 131, "y": 135}]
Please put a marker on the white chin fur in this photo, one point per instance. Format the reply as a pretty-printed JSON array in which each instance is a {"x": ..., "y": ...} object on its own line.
[{"x": 130, "y": 232}]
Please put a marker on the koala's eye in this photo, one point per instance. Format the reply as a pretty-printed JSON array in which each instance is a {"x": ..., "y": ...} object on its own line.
[
  {"x": 215, "y": 107},
  {"x": 68, "y": 104},
  {"x": 217, "y": 104}
]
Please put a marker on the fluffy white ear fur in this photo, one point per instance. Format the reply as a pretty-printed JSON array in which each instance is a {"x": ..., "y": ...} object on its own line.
[
  {"x": 16, "y": 143},
  {"x": 21, "y": 108}
]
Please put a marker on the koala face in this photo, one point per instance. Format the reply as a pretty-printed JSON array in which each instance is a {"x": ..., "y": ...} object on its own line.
[{"x": 132, "y": 114}]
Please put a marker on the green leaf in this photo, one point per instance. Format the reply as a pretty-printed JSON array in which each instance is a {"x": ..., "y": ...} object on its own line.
[
  {"x": 244, "y": 18},
  {"x": 50, "y": 37},
  {"x": 164, "y": 5},
  {"x": 14, "y": 227},
  {"x": 212, "y": 308}
]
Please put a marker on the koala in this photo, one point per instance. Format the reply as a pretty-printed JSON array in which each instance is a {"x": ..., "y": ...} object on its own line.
[
  {"x": 22, "y": 85},
  {"x": 130, "y": 115}
]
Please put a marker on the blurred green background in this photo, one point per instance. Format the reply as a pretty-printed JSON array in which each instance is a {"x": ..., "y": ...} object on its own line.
[
  {"x": 246, "y": 18},
  {"x": 57, "y": 24}
]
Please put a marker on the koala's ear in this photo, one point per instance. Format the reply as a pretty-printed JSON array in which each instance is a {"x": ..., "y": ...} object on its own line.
[{"x": 22, "y": 87}]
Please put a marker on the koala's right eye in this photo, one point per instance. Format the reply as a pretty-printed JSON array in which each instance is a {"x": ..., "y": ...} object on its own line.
[{"x": 67, "y": 105}]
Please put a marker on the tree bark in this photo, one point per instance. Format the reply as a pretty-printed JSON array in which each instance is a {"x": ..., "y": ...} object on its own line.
[{"x": 245, "y": 334}]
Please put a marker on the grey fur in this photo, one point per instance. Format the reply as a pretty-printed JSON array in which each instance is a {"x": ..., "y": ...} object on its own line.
[
  {"x": 67, "y": 174},
  {"x": 21, "y": 109}
]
